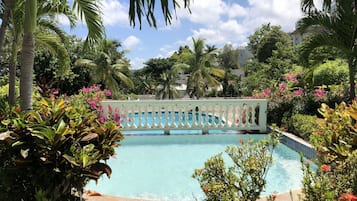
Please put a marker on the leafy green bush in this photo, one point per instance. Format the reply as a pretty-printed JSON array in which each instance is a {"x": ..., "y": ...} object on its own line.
[
  {"x": 302, "y": 125},
  {"x": 243, "y": 181},
  {"x": 336, "y": 144},
  {"x": 53, "y": 151},
  {"x": 331, "y": 73}
]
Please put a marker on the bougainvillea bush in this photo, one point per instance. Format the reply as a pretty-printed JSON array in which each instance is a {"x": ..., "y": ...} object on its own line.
[
  {"x": 335, "y": 141},
  {"x": 52, "y": 151},
  {"x": 290, "y": 97}
]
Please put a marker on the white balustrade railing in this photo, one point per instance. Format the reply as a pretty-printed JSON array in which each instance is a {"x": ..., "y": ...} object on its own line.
[{"x": 221, "y": 114}]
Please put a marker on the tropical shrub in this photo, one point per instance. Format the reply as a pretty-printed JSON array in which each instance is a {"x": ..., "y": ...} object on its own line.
[
  {"x": 52, "y": 151},
  {"x": 245, "y": 180},
  {"x": 285, "y": 99},
  {"x": 302, "y": 125},
  {"x": 336, "y": 144},
  {"x": 331, "y": 73}
]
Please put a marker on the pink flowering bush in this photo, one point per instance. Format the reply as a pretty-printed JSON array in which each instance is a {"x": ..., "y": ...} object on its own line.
[
  {"x": 93, "y": 96},
  {"x": 284, "y": 99},
  {"x": 288, "y": 98}
]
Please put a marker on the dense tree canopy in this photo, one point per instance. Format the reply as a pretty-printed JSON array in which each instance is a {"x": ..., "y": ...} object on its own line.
[{"x": 264, "y": 41}]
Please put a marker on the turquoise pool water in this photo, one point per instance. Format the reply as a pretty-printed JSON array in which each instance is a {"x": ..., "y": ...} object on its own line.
[
  {"x": 170, "y": 118},
  {"x": 160, "y": 167}
]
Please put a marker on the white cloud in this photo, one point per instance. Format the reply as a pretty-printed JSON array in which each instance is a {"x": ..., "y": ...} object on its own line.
[
  {"x": 114, "y": 13},
  {"x": 63, "y": 20},
  {"x": 131, "y": 42},
  {"x": 236, "y": 10},
  {"x": 204, "y": 11},
  {"x": 277, "y": 12},
  {"x": 223, "y": 22},
  {"x": 137, "y": 63}
]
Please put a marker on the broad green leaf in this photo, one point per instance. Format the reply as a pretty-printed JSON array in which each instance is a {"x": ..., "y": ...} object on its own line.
[
  {"x": 70, "y": 159},
  {"x": 24, "y": 153},
  {"x": 17, "y": 143},
  {"x": 5, "y": 135}
]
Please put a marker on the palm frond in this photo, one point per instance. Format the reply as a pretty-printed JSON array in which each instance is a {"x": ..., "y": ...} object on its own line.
[
  {"x": 51, "y": 25},
  {"x": 85, "y": 63},
  {"x": 90, "y": 12},
  {"x": 53, "y": 44},
  {"x": 125, "y": 79},
  {"x": 146, "y": 8}
]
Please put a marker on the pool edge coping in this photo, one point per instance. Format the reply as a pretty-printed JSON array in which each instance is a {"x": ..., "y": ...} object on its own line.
[{"x": 296, "y": 143}]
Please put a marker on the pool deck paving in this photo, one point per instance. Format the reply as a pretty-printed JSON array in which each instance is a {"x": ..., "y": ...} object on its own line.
[{"x": 94, "y": 196}]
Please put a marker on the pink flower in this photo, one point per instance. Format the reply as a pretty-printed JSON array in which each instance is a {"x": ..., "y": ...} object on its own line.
[
  {"x": 86, "y": 90},
  {"x": 95, "y": 87},
  {"x": 267, "y": 92},
  {"x": 289, "y": 76},
  {"x": 298, "y": 92},
  {"x": 101, "y": 118},
  {"x": 107, "y": 92},
  {"x": 319, "y": 93},
  {"x": 283, "y": 86},
  {"x": 116, "y": 116},
  {"x": 92, "y": 103}
]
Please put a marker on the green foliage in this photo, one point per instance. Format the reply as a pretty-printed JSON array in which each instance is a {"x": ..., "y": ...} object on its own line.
[
  {"x": 331, "y": 73},
  {"x": 265, "y": 40},
  {"x": 51, "y": 152},
  {"x": 337, "y": 137},
  {"x": 109, "y": 67},
  {"x": 245, "y": 180},
  {"x": 302, "y": 125},
  {"x": 335, "y": 31},
  {"x": 336, "y": 144}
]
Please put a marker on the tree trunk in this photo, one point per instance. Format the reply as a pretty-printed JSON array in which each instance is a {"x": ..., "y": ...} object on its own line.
[
  {"x": 28, "y": 55},
  {"x": 12, "y": 71},
  {"x": 4, "y": 23},
  {"x": 27, "y": 61},
  {"x": 352, "y": 80}
]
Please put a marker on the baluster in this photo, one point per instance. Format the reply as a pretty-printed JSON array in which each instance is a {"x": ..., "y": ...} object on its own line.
[
  {"x": 147, "y": 124},
  {"x": 226, "y": 115},
  {"x": 234, "y": 114},
  {"x": 187, "y": 125},
  {"x": 220, "y": 112},
  {"x": 253, "y": 115},
  {"x": 134, "y": 118}
]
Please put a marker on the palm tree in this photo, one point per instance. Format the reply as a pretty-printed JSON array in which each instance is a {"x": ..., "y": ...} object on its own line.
[
  {"x": 168, "y": 84},
  {"x": 109, "y": 67},
  {"x": 88, "y": 10},
  {"x": 5, "y": 7},
  {"x": 338, "y": 30},
  {"x": 47, "y": 36},
  {"x": 202, "y": 69},
  {"x": 228, "y": 59}
]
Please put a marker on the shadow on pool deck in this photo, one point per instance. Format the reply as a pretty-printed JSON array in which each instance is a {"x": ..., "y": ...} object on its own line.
[{"x": 280, "y": 197}]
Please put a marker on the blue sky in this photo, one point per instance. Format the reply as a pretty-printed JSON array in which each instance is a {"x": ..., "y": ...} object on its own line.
[{"x": 217, "y": 21}]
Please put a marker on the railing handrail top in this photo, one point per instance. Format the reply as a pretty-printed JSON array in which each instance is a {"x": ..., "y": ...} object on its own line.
[{"x": 189, "y": 100}]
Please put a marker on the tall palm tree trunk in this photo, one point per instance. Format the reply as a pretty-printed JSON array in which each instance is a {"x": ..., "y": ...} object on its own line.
[
  {"x": 352, "y": 79},
  {"x": 27, "y": 62},
  {"x": 12, "y": 71},
  {"x": 28, "y": 55},
  {"x": 4, "y": 23}
]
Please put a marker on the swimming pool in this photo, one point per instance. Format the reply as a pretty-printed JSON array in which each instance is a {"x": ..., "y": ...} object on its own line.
[{"x": 160, "y": 167}]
